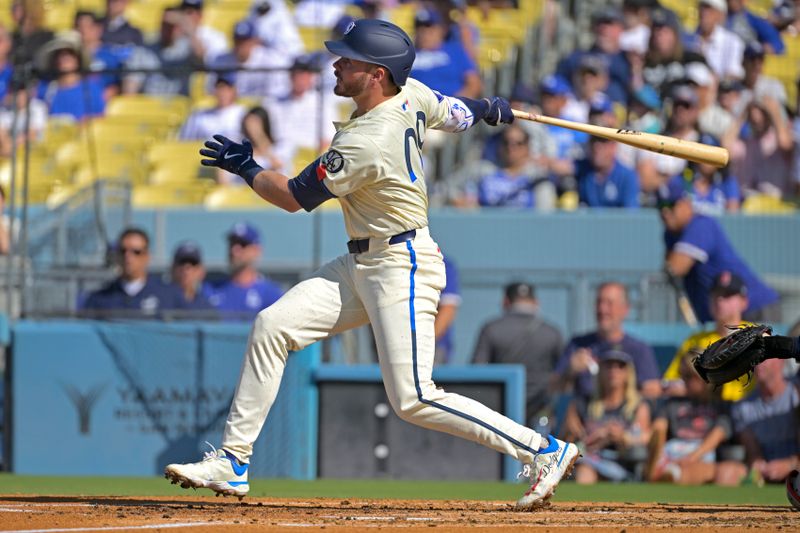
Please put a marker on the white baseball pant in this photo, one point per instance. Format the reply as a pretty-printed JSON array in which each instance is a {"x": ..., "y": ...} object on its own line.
[{"x": 396, "y": 289}]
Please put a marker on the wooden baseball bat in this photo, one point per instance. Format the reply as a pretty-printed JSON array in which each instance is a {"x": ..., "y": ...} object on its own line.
[
  {"x": 684, "y": 306},
  {"x": 661, "y": 144}
]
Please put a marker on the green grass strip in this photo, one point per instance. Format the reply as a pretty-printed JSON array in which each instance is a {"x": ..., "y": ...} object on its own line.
[{"x": 386, "y": 489}]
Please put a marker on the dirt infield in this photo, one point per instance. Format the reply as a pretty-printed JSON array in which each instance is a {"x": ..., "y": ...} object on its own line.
[{"x": 44, "y": 513}]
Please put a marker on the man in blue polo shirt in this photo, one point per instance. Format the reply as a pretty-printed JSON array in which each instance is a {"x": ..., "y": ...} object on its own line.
[
  {"x": 698, "y": 250},
  {"x": 603, "y": 181},
  {"x": 442, "y": 65},
  {"x": 135, "y": 293},
  {"x": 246, "y": 292}
]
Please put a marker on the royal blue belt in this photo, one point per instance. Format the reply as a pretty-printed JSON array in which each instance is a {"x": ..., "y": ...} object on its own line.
[{"x": 358, "y": 246}]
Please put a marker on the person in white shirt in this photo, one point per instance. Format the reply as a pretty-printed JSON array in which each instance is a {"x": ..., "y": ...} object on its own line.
[
  {"x": 207, "y": 42},
  {"x": 225, "y": 116},
  {"x": 722, "y": 48},
  {"x": 249, "y": 54},
  {"x": 276, "y": 28},
  {"x": 303, "y": 118}
]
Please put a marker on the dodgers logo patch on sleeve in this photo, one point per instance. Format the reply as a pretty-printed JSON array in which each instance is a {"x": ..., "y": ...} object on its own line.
[{"x": 332, "y": 161}]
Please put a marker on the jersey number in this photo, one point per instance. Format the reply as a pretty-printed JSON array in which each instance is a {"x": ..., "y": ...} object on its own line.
[{"x": 415, "y": 137}]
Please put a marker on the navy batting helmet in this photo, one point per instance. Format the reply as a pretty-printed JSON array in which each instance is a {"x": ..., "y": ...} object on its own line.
[{"x": 378, "y": 42}]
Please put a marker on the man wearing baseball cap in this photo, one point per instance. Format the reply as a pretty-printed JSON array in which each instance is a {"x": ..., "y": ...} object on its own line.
[
  {"x": 722, "y": 48},
  {"x": 188, "y": 273},
  {"x": 207, "y": 42},
  {"x": 727, "y": 304},
  {"x": 247, "y": 291},
  {"x": 698, "y": 250}
]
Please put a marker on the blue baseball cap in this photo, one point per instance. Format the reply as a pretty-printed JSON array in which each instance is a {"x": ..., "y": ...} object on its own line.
[
  {"x": 427, "y": 16},
  {"x": 244, "y": 29},
  {"x": 670, "y": 193},
  {"x": 244, "y": 233},
  {"x": 187, "y": 252},
  {"x": 600, "y": 103},
  {"x": 522, "y": 93},
  {"x": 226, "y": 77},
  {"x": 555, "y": 85}
]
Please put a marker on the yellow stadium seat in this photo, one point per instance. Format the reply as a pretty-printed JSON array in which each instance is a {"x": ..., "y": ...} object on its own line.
[
  {"x": 313, "y": 38},
  {"x": 59, "y": 131},
  {"x": 129, "y": 128},
  {"x": 568, "y": 201},
  {"x": 762, "y": 204},
  {"x": 166, "y": 152},
  {"x": 60, "y": 194},
  {"x": 149, "y": 196},
  {"x": 686, "y": 11},
  {"x": 223, "y": 17},
  {"x": 403, "y": 16},
  {"x": 169, "y": 109},
  {"x": 59, "y": 16},
  {"x": 145, "y": 16},
  {"x": 71, "y": 155},
  {"x": 173, "y": 175},
  {"x": 304, "y": 156},
  {"x": 116, "y": 167},
  {"x": 234, "y": 197},
  {"x": 95, "y": 6}
]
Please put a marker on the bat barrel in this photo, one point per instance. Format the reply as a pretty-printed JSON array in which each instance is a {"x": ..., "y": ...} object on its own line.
[{"x": 661, "y": 144}]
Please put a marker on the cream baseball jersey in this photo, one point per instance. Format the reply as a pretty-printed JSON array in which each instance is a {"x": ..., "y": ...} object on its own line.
[{"x": 374, "y": 165}]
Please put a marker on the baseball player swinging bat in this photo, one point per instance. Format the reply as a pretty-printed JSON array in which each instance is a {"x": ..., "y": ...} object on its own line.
[{"x": 661, "y": 144}]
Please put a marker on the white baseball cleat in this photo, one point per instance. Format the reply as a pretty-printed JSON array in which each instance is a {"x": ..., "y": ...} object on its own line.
[
  {"x": 219, "y": 471},
  {"x": 550, "y": 465}
]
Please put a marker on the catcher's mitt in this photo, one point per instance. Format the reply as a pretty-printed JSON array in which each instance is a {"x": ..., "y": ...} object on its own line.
[{"x": 733, "y": 356}]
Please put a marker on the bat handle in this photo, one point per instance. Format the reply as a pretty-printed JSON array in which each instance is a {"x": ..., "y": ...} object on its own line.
[{"x": 524, "y": 115}]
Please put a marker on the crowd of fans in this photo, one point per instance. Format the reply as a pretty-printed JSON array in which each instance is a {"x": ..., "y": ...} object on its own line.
[{"x": 644, "y": 70}]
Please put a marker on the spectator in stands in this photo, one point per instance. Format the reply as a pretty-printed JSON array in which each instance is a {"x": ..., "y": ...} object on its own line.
[
  {"x": 636, "y": 15},
  {"x": 578, "y": 362},
  {"x": 275, "y": 28},
  {"x": 607, "y": 28},
  {"x": 257, "y": 128},
  {"x": 687, "y": 431},
  {"x": 713, "y": 191},
  {"x": 752, "y": 28},
  {"x": 728, "y": 301},
  {"x": 515, "y": 182},
  {"x": 135, "y": 291},
  {"x": 118, "y": 31},
  {"x": 449, "y": 302},
  {"x": 730, "y": 100},
  {"x": 302, "y": 118},
  {"x": 172, "y": 53},
  {"x": 5, "y": 226},
  {"x": 459, "y": 28},
  {"x": 224, "y": 118},
  {"x": 188, "y": 274},
  {"x": 522, "y": 336},
  {"x": 569, "y": 144},
  {"x": 319, "y": 13},
  {"x": 442, "y": 65},
  {"x": 722, "y": 48},
  {"x": 757, "y": 85},
  {"x": 590, "y": 79},
  {"x": 29, "y": 34},
  {"x": 613, "y": 425},
  {"x": 766, "y": 423},
  {"x": 644, "y": 111},
  {"x": 246, "y": 291},
  {"x": 101, "y": 56},
  {"x": 207, "y": 42},
  {"x": 69, "y": 93},
  {"x": 12, "y": 123},
  {"x": 667, "y": 58},
  {"x": 763, "y": 158},
  {"x": 657, "y": 169},
  {"x": 697, "y": 250},
  {"x": 249, "y": 54},
  {"x": 603, "y": 181},
  {"x": 6, "y": 67}
]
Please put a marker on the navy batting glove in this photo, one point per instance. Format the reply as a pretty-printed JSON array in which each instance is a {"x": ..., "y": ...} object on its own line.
[
  {"x": 499, "y": 112},
  {"x": 231, "y": 156}
]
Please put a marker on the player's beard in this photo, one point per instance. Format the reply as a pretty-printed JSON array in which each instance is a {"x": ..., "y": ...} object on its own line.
[{"x": 352, "y": 88}]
